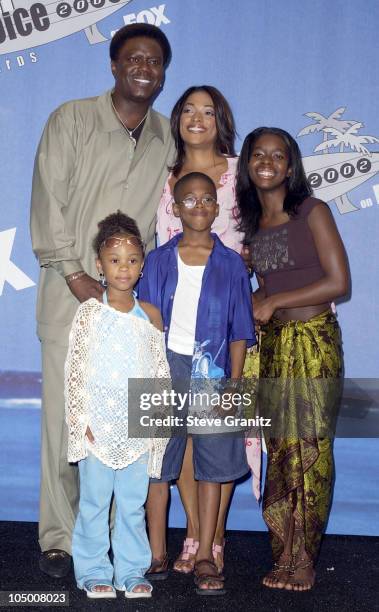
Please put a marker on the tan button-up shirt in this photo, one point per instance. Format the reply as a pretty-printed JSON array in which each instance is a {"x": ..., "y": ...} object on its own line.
[{"x": 86, "y": 168}]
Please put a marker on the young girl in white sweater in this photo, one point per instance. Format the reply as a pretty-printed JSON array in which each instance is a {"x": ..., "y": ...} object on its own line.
[{"x": 110, "y": 342}]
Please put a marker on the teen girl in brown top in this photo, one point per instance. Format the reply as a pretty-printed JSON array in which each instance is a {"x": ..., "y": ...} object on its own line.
[{"x": 300, "y": 264}]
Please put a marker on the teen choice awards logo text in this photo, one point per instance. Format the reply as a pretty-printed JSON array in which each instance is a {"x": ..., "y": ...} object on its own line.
[{"x": 26, "y": 23}]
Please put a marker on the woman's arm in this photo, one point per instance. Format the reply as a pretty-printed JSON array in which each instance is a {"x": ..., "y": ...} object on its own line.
[
  {"x": 332, "y": 256},
  {"x": 260, "y": 293}
]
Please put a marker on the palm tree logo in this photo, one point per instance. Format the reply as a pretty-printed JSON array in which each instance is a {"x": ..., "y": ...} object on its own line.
[
  {"x": 349, "y": 138},
  {"x": 324, "y": 123},
  {"x": 344, "y": 135}
]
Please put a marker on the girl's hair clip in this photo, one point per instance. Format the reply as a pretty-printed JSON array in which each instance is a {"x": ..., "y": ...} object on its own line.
[{"x": 114, "y": 242}]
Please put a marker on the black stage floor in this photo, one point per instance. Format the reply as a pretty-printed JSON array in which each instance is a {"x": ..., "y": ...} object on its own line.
[{"x": 348, "y": 577}]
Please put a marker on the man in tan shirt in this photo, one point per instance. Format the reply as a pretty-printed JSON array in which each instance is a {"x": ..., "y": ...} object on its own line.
[{"x": 96, "y": 155}]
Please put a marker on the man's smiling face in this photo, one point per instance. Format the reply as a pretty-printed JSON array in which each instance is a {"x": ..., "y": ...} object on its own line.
[{"x": 138, "y": 69}]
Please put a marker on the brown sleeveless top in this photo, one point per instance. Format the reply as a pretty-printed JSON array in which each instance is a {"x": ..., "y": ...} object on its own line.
[{"x": 285, "y": 256}]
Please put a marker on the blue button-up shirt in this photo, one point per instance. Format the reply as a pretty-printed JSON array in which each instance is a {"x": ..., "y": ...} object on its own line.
[{"x": 224, "y": 312}]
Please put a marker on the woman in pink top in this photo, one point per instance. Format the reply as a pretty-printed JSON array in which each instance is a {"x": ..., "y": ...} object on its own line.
[{"x": 203, "y": 128}]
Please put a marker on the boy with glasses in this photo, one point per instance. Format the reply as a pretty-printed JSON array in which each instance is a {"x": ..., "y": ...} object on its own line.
[{"x": 203, "y": 292}]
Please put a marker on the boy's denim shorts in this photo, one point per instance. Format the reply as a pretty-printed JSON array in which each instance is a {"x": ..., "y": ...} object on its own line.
[{"x": 216, "y": 458}]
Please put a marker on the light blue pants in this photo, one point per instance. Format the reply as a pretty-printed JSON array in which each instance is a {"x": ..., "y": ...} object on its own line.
[{"x": 90, "y": 542}]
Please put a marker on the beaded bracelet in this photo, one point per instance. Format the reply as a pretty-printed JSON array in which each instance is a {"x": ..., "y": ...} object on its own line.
[{"x": 72, "y": 277}]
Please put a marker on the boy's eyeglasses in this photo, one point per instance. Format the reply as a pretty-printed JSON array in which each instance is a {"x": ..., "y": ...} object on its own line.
[
  {"x": 113, "y": 242},
  {"x": 191, "y": 201}
]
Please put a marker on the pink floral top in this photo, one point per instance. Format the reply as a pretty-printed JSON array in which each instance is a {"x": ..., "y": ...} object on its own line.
[{"x": 224, "y": 225}]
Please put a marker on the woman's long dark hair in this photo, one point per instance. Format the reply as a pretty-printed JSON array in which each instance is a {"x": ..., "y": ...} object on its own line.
[
  {"x": 298, "y": 187},
  {"x": 225, "y": 126}
]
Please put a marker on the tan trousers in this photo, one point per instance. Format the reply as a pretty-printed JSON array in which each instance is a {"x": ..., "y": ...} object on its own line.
[{"x": 59, "y": 480}]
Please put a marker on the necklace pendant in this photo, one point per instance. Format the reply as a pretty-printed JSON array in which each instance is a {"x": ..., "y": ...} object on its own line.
[{"x": 129, "y": 132}]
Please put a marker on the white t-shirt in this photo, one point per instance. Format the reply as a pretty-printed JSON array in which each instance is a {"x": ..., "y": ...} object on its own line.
[{"x": 181, "y": 337}]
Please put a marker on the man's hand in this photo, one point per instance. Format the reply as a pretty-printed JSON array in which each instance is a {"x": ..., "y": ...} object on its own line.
[{"x": 86, "y": 287}]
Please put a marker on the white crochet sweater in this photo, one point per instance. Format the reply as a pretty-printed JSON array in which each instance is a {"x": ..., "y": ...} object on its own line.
[{"x": 107, "y": 347}]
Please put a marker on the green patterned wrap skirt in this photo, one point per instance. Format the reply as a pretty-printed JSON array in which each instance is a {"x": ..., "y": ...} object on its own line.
[{"x": 299, "y": 391}]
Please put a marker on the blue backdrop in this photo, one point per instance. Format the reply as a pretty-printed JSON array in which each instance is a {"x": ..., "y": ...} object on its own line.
[{"x": 308, "y": 67}]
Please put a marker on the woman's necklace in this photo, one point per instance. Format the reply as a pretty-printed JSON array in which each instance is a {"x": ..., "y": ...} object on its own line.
[{"x": 129, "y": 132}]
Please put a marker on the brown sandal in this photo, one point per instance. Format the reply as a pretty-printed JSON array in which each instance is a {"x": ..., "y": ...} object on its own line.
[
  {"x": 158, "y": 569},
  {"x": 187, "y": 557},
  {"x": 210, "y": 574}
]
